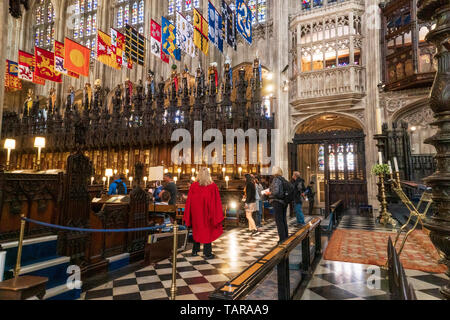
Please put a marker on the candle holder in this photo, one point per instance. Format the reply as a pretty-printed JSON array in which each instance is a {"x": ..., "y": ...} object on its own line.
[
  {"x": 386, "y": 217},
  {"x": 414, "y": 211}
]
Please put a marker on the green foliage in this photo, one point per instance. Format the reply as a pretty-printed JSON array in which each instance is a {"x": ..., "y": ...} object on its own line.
[
  {"x": 174, "y": 67},
  {"x": 380, "y": 169}
]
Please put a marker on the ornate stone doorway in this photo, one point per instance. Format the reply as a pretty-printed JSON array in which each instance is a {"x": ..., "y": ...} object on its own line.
[{"x": 330, "y": 150}]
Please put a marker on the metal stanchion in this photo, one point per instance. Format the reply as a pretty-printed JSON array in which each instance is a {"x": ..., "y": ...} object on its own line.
[
  {"x": 173, "y": 290},
  {"x": 19, "y": 248}
]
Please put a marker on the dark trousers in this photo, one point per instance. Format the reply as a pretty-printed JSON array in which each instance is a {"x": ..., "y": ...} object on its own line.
[
  {"x": 311, "y": 207},
  {"x": 207, "y": 248},
  {"x": 280, "y": 211}
]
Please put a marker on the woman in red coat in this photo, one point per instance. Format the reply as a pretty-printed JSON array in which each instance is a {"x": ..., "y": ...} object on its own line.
[{"x": 204, "y": 213}]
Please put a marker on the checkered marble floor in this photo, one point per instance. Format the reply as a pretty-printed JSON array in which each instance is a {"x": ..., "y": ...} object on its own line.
[
  {"x": 334, "y": 280},
  {"x": 349, "y": 281},
  {"x": 197, "y": 278},
  {"x": 363, "y": 223}
]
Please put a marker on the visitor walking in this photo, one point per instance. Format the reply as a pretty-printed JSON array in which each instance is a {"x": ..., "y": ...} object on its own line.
[
  {"x": 204, "y": 213},
  {"x": 259, "y": 202},
  {"x": 311, "y": 197},
  {"x": 250, "y": 203},
  {"x": 299, "y": 189},
  {"x": 277, "y": 197}
]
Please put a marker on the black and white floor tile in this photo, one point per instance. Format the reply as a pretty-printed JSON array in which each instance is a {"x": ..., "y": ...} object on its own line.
[
  {"x": 350, "y": 281},
  {"x": 363, "y": 223},
  {"x": 197, "y": 278}
]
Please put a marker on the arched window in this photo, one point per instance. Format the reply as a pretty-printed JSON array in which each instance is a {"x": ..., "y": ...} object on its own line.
[
  {"x": 185, "y": 7},
  {"x": 85, "y": 28},
  {"x": 44, "y": 24},
  {"x": 130, "y": 12},
  {"x": 258, "y": 8}
]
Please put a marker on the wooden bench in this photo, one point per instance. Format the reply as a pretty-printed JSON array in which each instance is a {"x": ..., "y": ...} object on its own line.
[{"x": 398, "y": 283}]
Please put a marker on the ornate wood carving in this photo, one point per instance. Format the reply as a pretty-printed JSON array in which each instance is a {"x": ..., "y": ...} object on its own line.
[{"x": 439, "y": 224}]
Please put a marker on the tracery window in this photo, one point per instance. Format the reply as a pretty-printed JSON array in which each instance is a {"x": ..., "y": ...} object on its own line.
[
  {"x": 185, "y": 7},
  {"x": 44, "y": 25},
  {"x": 85, "y": 23},
  {"x": 130, "y": 12},
  {"x": 258, "y": 8},
  {"x": 343, "y": 154}
]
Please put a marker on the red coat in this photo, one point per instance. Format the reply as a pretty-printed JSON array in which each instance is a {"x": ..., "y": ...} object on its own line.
[{"x": 204, "y": 213}]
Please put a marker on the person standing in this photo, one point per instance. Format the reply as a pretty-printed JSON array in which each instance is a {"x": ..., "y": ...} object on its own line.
[
  {"x": 259, "y": 202},
  {"x": 250, "y": 203},
  {"x": 276, "y": 196},
  {"x": 118, "y": 187},
  {"x": 171, "y": 187},
  {"x": 311, "y": 196},
  {"x": 299, "y": 189},
  {"x": 204, "y": 213}
]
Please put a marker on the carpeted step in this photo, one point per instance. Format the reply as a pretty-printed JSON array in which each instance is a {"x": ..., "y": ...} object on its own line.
[{"x": 33, "y": 250}]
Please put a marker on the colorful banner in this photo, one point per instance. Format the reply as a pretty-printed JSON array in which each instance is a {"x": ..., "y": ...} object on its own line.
[
  {"x": 134, "y": 45},
  {"x": 229, "y": 25},
  {"x": 169, "y": 40},
  {"x": 244, "y": 20},
  {"x": 155, "y": 39},
  {"x": 201, "y": 32},
  {"x": 76, "y": 58},
  {"x": 104, "y": 50},
  {"x": 36, "y": 79},
  {"x": 25, "y": 66},
  {"x": 185, "y": 35},
  {"x": 45, "y": 65},
  {"x": 12, "y": 81},
  {"x": 118, "y": 47},
  {"x": 215, "y": 27},
  {"x": 59, "y": 60}
]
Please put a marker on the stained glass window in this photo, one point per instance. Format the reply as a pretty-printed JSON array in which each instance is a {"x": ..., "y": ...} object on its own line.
[
  {"x": 85, "y": 28},
  {"x": 185, "y": 7},
  {"x": 171, "y": 10},
  {"x": 141, "y": 12},
  {"x": 134, "y": 14},
  {"x": 308, "y": 4},
  {"x": 44, "y": 20},
  {"x": 258, "y": 8},
  {"x": 337, "y": 153},
  {"x": 130, "y": 12},
  {"x": 322, "y": 158},
  {"x": 119, "y": 22}
]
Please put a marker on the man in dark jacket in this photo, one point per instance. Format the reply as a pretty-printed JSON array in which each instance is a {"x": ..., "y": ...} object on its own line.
[
  {"x": 299, "y": 189},
  {"x": 170, "y": 187},
  {"x": 279, "y": 206}
]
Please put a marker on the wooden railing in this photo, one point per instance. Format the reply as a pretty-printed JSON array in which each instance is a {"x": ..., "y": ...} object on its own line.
[
  {"x": 398, "y": 283},
  {"x": 335, "y": 214},
  {"x": 244, "y": 284}
]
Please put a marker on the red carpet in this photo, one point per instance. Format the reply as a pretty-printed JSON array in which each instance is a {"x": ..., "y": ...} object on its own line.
[{"x": 369, "y": 247}]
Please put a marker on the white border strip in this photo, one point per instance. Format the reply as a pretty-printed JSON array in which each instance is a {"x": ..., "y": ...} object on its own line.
[
  {"x": 28, "y": 242},
  {"x": 118, "y": 257},
  {"x": 43, "y": 265}
]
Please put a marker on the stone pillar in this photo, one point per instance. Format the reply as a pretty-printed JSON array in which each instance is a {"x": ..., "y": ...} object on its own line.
[
  {"x": 281, "y": 60},
  {"x": 439, "y": 224},
  {"x": 3, "y": 37},
  {"x": 372, "y": 62}
]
